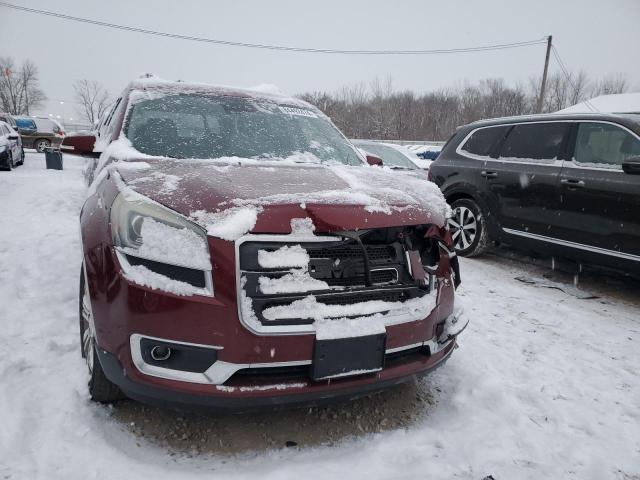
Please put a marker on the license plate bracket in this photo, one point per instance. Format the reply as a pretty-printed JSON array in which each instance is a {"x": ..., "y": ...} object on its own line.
[{"x": 341, "y": 357}]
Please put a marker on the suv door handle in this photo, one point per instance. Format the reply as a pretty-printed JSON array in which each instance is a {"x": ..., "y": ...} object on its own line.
[
  {"x": 486, "y": 174},
  {"x": 572, "y": 183}
]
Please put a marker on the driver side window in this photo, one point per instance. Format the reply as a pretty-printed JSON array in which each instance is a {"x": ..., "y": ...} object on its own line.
[{"x": 604, "y": 145}]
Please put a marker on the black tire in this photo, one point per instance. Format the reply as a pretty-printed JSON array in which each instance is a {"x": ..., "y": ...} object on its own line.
[
  {"x": 101, "y": 389},
  {"x": 468, "y": 228},
  {"x": 40, "y": 144},
  {"x": 21, "y": 162}
]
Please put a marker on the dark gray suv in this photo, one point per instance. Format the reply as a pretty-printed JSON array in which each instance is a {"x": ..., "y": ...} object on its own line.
[{"x": 563, "y": 185}]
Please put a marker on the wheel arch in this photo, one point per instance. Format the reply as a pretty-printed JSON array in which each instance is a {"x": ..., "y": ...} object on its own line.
[{"x": 492, "y": 223}]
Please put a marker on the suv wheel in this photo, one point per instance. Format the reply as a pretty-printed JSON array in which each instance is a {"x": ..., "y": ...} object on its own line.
[
  {"x": 101, "y": 389},
  {"x": 468, "y": 228},
  {"x": 41, "y": 144}
]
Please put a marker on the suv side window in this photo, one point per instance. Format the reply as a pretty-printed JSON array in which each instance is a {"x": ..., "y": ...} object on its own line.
[
  {"x": 604, "y": 144},
  {"x": 483, "y": 140},
  {"x": 534, "y": 141}
]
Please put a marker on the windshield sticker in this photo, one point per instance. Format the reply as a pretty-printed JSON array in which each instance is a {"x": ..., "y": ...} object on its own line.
[{"x": 297, "y": 111}]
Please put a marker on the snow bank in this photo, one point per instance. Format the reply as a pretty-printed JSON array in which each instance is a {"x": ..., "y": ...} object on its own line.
[
  {"x": 284, "y": 257},
  {"x": 178, "y": 246}
]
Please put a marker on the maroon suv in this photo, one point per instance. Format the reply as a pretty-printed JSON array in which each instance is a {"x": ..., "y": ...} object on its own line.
[{"x": 239, "y": 252}]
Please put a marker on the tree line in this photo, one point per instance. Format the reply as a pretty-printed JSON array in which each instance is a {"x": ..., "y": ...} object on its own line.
[
  {"x": 376, "y": 110},
  {"x": 373, "y": 110}
]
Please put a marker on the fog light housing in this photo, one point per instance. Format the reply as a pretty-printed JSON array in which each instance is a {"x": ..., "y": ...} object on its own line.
[{"x": 177, "y": 356}]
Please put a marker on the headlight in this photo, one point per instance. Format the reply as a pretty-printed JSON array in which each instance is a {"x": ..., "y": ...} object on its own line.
[{"x": 159, "y": 248}]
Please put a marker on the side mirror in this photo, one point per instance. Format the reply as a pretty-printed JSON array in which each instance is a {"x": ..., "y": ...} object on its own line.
[
  {"x": 374, "y": 160},
  {"x": 12, "y": 136},
  {"x": 631, "y": 165},
  {"x": 79, "y": 145}
]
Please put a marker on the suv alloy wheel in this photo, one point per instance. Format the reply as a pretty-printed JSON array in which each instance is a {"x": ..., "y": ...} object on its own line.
[{"x": 468, "y": 228}]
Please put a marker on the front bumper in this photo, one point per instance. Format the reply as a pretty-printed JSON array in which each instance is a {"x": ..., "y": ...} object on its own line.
[
  {"x": 239, "y": 398},
  {"x": 251, "y": 370}
]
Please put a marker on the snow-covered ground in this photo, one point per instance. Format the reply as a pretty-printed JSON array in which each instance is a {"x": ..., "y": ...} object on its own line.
[{"x": 545, "y": 385}]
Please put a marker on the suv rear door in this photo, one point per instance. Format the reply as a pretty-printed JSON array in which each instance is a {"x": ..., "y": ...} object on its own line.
[
  {"x": 522, "y": 182},
  {"x": 600, "y": 203}
]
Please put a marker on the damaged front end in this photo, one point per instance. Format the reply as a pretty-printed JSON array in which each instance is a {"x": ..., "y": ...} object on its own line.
[{"x": 392, "y": 274}]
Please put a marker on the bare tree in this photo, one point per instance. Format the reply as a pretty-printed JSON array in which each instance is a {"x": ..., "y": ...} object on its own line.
[
  {"x": 19, "y": 87},
  {"x": 92, "y": 99},
  {"x": 610, "y": 84}
]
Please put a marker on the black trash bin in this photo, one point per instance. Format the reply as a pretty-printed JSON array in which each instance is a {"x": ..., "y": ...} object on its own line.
[{"x": 53, "y": 157}]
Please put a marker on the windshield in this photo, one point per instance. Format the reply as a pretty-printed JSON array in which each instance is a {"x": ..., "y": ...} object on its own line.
[
  {"x": 389, "y": 155},
  {"x": 25, "y": 123},
  {"x": 208, "y": 126}
]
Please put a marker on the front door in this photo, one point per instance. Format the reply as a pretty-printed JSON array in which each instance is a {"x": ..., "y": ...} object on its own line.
[
  {"x": 600, "y": 203},
  {"x": 523, "y": 179}
]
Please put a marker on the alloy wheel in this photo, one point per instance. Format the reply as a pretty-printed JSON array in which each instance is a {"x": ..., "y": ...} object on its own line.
[
  {"x": 87, "y": 330},
  {"x": 41, "y": 145},
  {"x": 464, "y": 227}
]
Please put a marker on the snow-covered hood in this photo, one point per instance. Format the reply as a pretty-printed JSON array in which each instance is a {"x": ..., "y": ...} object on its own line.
[{"x": 232, "y": 197}]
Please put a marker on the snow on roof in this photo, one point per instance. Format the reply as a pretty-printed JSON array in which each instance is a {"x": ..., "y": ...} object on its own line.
[
  {"x": 262, "y": 91},
  {"x": 426, "y": 148},
  {"x": 614, "y": 103}
]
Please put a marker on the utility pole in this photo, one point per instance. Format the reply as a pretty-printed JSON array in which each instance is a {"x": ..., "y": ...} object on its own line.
[
  {"x": 26, "y": 90},
  {"x": 544, "y": 75}
]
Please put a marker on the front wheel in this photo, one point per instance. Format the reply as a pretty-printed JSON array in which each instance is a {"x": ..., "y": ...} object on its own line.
[
  {"x": 468, "y": 228},
  {"x": 101, "y": 389}
]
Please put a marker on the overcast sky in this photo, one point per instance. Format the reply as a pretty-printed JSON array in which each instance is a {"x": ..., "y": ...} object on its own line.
[{"x": 600, "y": 37}]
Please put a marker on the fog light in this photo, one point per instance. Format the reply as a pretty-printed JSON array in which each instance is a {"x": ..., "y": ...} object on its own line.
[{"x": 160, "y": 353}]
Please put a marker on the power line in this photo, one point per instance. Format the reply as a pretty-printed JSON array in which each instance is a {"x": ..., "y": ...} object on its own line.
[
  {"x": 569, "y": 79},
  {"x": 273, "y": 47}
]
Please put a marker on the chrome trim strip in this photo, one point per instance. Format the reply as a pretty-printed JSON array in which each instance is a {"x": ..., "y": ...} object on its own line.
[
  {"x": 580, "y": 166},
  {"x": 567, "y": 243},
  {"x": 551, "y": 163},
  {"x": 207, "y": 291},
  {"x": 434, "y": 346},
  {"x": 221, "y": 371}
]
